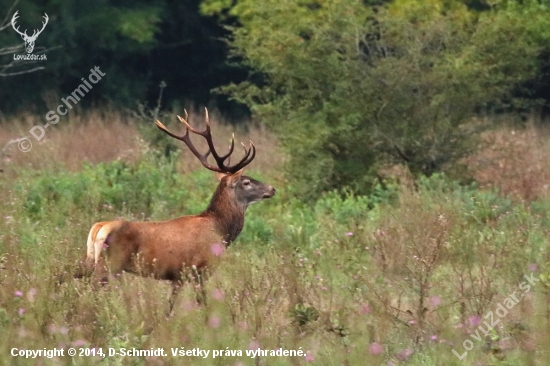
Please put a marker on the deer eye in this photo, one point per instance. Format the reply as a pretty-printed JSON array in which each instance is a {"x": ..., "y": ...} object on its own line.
[{"x": 246, "y": 182}]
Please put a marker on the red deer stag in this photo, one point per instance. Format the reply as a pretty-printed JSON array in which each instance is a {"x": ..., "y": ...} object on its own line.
[{"x": 182, "y": 248}]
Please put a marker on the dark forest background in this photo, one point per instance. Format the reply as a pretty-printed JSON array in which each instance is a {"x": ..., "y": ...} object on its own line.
[{"x": 138, "y": 44}]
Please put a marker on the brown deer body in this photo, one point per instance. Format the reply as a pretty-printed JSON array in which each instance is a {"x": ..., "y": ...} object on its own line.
[{"x": 184, "y": 247}]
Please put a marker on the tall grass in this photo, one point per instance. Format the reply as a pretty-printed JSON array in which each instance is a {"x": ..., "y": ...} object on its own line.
[
  {"x": 404, "y": 276},
  {"x": 515, "y": 160}
]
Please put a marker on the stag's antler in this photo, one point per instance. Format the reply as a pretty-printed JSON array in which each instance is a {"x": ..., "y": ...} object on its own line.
[
  {"x": 43, "y": 26},
  {"x": 249, "y": 153},
  {"x": 13, "y": 19},
  {"x": 24, "y": 34}
]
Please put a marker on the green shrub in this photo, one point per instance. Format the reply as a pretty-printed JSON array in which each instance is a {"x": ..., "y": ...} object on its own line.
[
  {"x": 479, "y": 205},
  {"x": 348, "y": 85},
  {"x": 150, "y": 187}
]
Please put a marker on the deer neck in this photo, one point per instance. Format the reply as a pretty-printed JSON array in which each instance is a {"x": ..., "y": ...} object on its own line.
[{"x": 227, "y": 212}]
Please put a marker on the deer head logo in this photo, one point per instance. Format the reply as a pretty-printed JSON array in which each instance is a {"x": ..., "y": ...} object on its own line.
[{"x": 29, "y": 41}]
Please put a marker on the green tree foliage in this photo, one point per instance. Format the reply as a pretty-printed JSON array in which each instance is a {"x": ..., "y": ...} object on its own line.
[{"x": 349, "y": 85}]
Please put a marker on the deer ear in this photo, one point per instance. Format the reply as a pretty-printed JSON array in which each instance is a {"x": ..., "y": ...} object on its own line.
[
  {"x": 220, "y": 175},
  {"x": 234, "y": 178},
  {"x": 238, "y": 174}
]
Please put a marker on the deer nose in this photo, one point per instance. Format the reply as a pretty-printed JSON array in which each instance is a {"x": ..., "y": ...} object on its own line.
[{"x": 270, "y": 193}]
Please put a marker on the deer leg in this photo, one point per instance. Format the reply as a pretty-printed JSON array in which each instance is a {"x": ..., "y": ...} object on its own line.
[
  {"x": 100, "y": 274},
  {"x": 172, "y": 297},
  {"x": 84, "y": 268},
  {"x": 199, "y": 278}
]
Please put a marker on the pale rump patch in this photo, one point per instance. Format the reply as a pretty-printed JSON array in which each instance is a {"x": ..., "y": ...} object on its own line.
[
  {"x": 91, "y": 240},
  {"x": 98, "y": 239},
  {"x": 99, "y": 242}
]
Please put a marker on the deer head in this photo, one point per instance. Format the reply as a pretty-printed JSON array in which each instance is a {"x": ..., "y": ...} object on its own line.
[
  {"x": 29, "y": 41},
  {"x": 244, "y": 190}
]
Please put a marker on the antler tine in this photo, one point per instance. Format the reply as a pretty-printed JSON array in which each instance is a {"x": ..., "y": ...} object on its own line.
[
  {"x": 253, "y": 147},
  {"x": 231, "y": 147},
  {"x": 13, "y": 22},
  {"x": 161, "y": 126},
  {"x": 43, "y": 25},
  {"x": 247, "y": 158},
  {"x": 188, "y": 126},
  {"x": 185, "y": 138},
  {"x": 208, "y": 136}
]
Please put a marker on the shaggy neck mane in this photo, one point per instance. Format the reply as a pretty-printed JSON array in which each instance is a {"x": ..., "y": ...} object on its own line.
[{"x": 228, "y": 213}]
